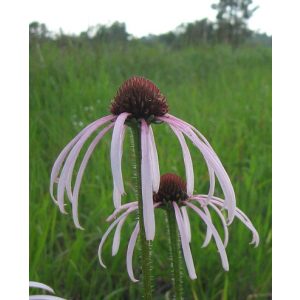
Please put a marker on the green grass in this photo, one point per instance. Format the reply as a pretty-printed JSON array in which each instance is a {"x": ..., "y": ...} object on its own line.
[{"x": 226, "y": 94}]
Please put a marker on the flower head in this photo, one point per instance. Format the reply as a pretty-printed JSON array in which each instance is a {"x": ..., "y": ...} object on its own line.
[
  {"x": 172, "y": 188},
  {"x": 172, "y": 195},
  {"x": 141, "y": 98},
  {"x": 138, "y": 99}
]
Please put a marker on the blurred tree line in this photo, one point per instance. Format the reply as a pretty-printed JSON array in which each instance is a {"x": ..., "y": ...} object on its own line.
[{"x": 230, "y": 28}]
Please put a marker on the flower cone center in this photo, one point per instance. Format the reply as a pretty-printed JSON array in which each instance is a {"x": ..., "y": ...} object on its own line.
[
  {"x": 140, "y": 97},
  {"x": 172, "y": 188}
]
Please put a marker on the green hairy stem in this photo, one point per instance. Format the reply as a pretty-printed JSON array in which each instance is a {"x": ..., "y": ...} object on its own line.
[
  {"x": 144, "y": 244},
  {"x": 175, "y": 257}
]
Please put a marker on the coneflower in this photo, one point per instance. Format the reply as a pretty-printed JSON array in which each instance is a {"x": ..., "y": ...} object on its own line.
[
  {"x": 173, "y": 197},
  {"x": 138, "y": 103}
]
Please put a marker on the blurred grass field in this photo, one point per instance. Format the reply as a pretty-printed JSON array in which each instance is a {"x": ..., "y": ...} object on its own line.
[{"x": 226, "y": 94}]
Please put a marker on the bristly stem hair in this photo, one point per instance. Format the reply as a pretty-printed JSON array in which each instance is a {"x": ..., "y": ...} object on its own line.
[{"x": 146, "y": 261}]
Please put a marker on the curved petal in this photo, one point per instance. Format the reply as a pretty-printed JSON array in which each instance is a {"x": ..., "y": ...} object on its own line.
[
  {"x": 35, "y": 284},
  {"x": 45, "y": 297},
  {"x": 208, "y": 230},
  {"x": 189, "y": 171},
  {"x": 244, "y": 219},
  {"x": 212, "y": 161},
  {"x": 226, "y": 235},
  {"x": 215, "y": 233},
  {"x": 119, "y": 209},
  {"x": 186, "y": 222},
  {"x": 212, "y": 182},
  {"x": 171, "y": 117},
  {"x": 203, "y": 202},
  {"x": 185, "y": 243},
  {"x": 147, "y": 193},
  {"x": 116, "y": 196},
  {"x": 117, "y": 237},
  {"x": 154, "y": 161},
  {"x": 116, "y": 151},
  {"x": 66, "y": 173},
  {"x": 61, "y": 158},
  {"x": 130, "y": 249},
  {"x": 201, "y": 136},
  {"x": 110, "y": 228},
  {"x": 82, "y": 167}
]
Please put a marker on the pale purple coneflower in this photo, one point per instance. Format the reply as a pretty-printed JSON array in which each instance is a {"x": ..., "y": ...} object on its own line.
[
  {"x": 139, "y": 100},
  {"x": 34, "y": 284},
  {"x": 172, "y": 194}
]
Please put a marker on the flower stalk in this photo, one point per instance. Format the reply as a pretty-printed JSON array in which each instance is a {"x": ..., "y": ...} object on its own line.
[
  {"x": 144, "y": 244},
  {"x": 175, "y": 254}
]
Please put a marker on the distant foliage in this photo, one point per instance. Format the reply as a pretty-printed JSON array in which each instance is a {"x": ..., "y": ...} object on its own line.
[
  {"x": 38, "y": 31},
  {"x": 203, "y": 30},
  {"x": 230, "y": 28},
  {"x": 107, "y": 34},
  {"x": 232, "y": 17}
]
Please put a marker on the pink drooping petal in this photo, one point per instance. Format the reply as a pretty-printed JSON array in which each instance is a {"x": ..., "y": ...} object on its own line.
[
  {"x": 34, "y": 284},
  {"x": 212, "y": 182},
  {"x": 208, "y": 230},
  {"x": 147, "y": 193},
  {"x": 204, "y": 202},
  {"x": 130, "y": 249},
  {"x": 154, "y": 161},
  {"x": 239, "y": 214},
  {"x": 82, "y": 168},
  {"x": 186, "y": 222},
  {"x": 216, "y": 167},
  {"x": 117, "y": 237},
  {"x": 110, "y": 228},
  {"x": 226, "y": 234},
  {"x": 212, "y": 161},
  {"x": 189, "y": 171},
  {"x": 184, "y": 243},
  {"x": 171, "y": 117},
  {"x": 121, "y": 208},
  {"x": 61, "y": 158},
  {"x": 116, "y": 196},
  {"x": 39, "y": 285},
  {"x": 215, "y": 233},
  {"x": 66, "y": 173},
  {"x": 249, "y": 225},
  {"x": 45, "y": 297},
  {"x": 201, "y": 136},
  {"x": 243, "y": 218},
  {"x": 116, "y": 151}
]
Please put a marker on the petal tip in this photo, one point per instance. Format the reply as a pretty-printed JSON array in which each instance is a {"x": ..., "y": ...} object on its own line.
[
  {"x": 103, "y": 265},
  {"x": 80, "y": 227}
]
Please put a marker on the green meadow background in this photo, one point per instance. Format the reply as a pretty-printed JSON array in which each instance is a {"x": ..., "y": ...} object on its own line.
[{"x": 224, "y": 92}]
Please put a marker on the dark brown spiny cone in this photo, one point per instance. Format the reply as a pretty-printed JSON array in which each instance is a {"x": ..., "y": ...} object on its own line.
[
  {"x": 171, "y": 188},
  {"x": 140, "y": 97}
]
